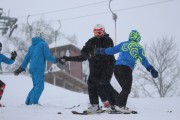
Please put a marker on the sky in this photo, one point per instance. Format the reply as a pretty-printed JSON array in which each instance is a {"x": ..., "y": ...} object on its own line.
[
  {"x": 154, "y": 19},
  {"x": 55, "y": 99}
]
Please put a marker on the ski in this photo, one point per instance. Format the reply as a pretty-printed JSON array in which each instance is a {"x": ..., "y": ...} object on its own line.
[
  {"x": 73, "y": 107},
  {"x": 118, "y": 112},
  {"x": 87, "y": 113}
]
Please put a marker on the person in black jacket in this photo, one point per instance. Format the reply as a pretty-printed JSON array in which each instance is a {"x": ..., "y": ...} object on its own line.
[{"x": 101, "y": 68}]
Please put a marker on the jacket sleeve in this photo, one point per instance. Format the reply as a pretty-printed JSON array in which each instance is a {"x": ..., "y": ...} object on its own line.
[
  {"x": 113, "y": 50},
  {"x": 142, "y": 58},
  {"x": 47, "y": 53},
  {"x": 79, "y": 58},
  {"x": 88, "y": 50},
  {"x": 6, "y": 60},
  {"x": 26, "y": 60}
]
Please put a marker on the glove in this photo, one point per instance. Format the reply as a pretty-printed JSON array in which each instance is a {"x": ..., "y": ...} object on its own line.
[
  {"x": 19, "y": 70},
  {"x": 100, "y": 51},
  {"x": 13, "y": 55},
  {"x": 65, "y": 58},
  {"x": 60, "y": 61},
  {"x": 151, "y": 69}
]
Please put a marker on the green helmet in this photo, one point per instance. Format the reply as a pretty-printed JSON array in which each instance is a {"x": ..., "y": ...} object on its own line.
[{"x": 134, "y": 36}]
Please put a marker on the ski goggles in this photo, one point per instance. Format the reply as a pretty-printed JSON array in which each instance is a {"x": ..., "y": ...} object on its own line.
[{"x": 98, "y": 33}]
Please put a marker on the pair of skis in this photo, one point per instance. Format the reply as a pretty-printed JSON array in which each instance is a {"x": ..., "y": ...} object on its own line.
[
  {"x": 87, "y": 113},
  {"x": 99, "y": 112},
  {"x": 103, "y": 111}
]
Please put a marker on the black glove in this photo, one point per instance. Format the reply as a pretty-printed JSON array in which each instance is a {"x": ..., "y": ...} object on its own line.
[
  {"x": 154, "y": 73},
  {"x": 13, "y": 55},
  {"x": 19, "y": 70},
  {"x": 100, "y": 51},
  {"x": 65, "y": 58},
  {"x": 60, "y": 61}
]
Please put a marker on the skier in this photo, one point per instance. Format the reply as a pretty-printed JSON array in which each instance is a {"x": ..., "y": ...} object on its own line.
[
  {"x": 101, "y": 68},
  {"x": 129, "y": 52},
  {"x": 6, "y": 60},
  {"x": 37, "y": 55}
]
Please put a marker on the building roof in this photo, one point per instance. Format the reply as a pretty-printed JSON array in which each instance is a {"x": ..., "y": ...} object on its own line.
[{"x": 61, "y": 42}]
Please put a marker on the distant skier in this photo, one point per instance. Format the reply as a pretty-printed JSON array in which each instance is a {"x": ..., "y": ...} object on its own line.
[
  {"x": 5, "y": 60},
  {"x": 101, "y": 68},
  {"x": 129, "y": 52},
  {"x": 37, "y": 55}
]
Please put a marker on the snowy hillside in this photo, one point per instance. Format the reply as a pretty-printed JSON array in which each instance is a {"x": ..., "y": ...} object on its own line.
[{"x": 55, "y": 99}]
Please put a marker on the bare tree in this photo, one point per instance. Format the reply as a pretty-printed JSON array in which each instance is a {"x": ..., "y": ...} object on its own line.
[{"x": 163, "y": 55}]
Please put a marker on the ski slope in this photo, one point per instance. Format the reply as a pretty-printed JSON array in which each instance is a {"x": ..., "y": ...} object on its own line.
[{"x": 55, "y": 99}]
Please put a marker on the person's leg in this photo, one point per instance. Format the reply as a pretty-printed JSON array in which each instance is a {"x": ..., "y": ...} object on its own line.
[
  {"x": 92, "y": 91},
  {"x": 93, "y": 96},
  {"x": 2, "y": 87},
  {"x": 105, "y": 88},
  {"x": 38, "y": 86},
  {"x": 27, "y": 102},
  {"x": 123, "y": 74}
]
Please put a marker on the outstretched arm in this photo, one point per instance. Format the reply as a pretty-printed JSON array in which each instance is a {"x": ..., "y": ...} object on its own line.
[
  {"x": 79, "y": 58},
  {"x": 6, "y": 60},
  {"x": 47, "y": 53},
  {"x": 26, "y": 60},
  {"x": 109, "y": 51},
  {"x": 146, "y": 64}
]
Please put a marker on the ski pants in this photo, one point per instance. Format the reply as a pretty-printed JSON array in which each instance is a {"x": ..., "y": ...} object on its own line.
[
  {"x": 38, "y": 86},
  {"x": 123, "y": 75},
  {"x": 2, "y": 87},
  {"x": 99, "y": 85}
]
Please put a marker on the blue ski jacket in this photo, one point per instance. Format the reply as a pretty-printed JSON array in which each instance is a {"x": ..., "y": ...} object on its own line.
[
  {"x": 6, "y": 60},
  {"x": 129, "y": 53},
  {"x": 37, "y": 55}
]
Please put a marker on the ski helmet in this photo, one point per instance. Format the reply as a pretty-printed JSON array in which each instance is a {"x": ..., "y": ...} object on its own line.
[
  {"x": 99, "y": 30},
  {"x": 134, "y": 36},
  {"x": 39, "y": 33}
]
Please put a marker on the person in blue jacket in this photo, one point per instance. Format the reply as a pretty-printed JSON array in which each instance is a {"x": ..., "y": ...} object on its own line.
[
  {"x": 129, "y": 52},
  {"x": 5, "y": 60},
  {"x": 37, "y": 55}
]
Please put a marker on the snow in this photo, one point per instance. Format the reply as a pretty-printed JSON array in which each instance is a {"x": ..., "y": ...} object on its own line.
[{"x": 55, "y": 99}]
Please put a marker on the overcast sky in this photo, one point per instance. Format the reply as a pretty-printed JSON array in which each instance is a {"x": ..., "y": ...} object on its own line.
[{"x": 157, "y": 18}]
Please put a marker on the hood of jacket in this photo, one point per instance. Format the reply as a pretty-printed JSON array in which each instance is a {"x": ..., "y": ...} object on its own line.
[{"x": 36, "y": 40}]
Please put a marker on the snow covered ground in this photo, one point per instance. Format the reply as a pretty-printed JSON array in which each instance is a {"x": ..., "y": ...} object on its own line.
[{"x": 55, "y": 99}]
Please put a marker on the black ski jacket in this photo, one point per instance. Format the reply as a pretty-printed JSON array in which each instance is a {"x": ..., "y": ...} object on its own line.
[{"x": 96, "y": 61}]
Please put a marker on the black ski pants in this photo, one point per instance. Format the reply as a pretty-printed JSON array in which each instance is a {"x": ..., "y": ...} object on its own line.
[
  {"x": 99, "y": 85},
  {"x": 123, "y": 75},
  {"x": 2, "y": 87}
]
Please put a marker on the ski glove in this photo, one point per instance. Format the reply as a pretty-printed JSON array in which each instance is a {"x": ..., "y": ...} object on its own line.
[
  {"x": 60, "y": 61},
  {"x": 13, "y": 55},
  {"x": 19, "y": 70},
  {"x": 100, "y": 51},
  {"x": 65, "y": 58},
  {"x": 151, "y": 69}
]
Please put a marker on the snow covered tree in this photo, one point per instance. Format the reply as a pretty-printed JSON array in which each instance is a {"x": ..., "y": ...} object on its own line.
[{"x": 163, "y": 55}]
